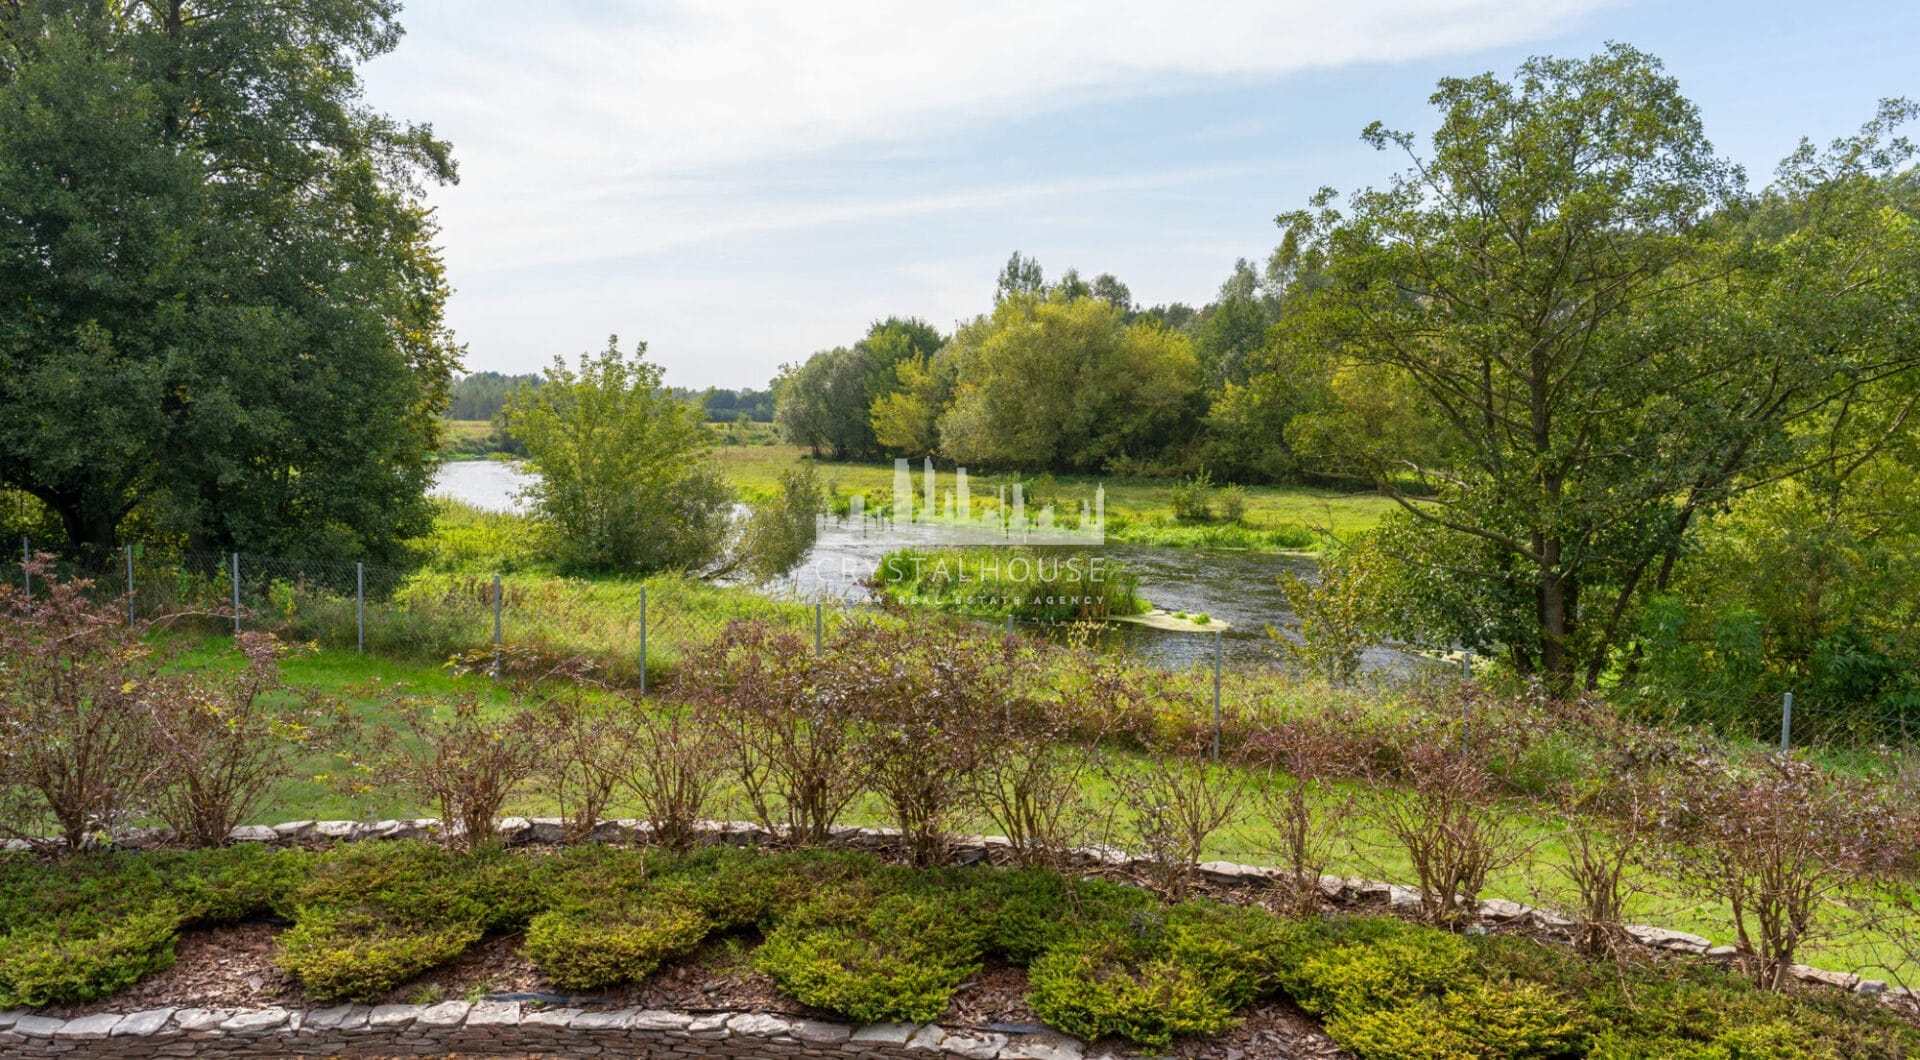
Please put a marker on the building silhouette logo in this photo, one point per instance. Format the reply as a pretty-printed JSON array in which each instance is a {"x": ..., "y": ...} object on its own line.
[{"x": 952, "y": 515}]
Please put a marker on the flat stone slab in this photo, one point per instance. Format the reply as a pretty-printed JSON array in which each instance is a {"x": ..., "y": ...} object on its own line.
[
  {"x": 253, "y": 833},
  {"x": 820, "y": 1032},
  {"x": 339, "y": 1018},
  {"x": 494, "y": 1014},
  {"x": 141, "y": 1024},
  {"x": 1044, "y": 1049},
  {"x": 885, "y": 1033},
  {"x": 37, "y": 1026},
  {"x": 973, "y": 1046},
  {"x": 1661, "y": 938},
  {"x": 445, "y": 1014},
  {"x": 8, "y": 1017},
  {"x": 660, "y": 1020},
  {"x": 89, "y": 1028},
  {"x": 389, "y": 1017},
  {"x": 559, "y": 1018},
  {"x": 200, "y": 1019},
  {"x": 616, "y": 1020},
  {"x": 761, "y": 1025},
  {"x": 255, "y": 1022}
]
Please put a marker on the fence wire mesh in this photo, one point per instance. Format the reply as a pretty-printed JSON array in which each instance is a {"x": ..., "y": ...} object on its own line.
[{"x": 637, "y": 633}]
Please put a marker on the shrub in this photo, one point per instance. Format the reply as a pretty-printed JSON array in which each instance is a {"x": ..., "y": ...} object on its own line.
[
  {"x": 1175, "y": 801},
  {"x": 1387, "y": 990},
  {"x": 1032, "y": 784},
  {"x": 456, "y": 753},
  {"x": 76, "y": 739},
  {"x": 1152, "y": 977},
  {"x": 796, "y": 742},
  {"x": 54, "y": 965},
  {"x": 347, "y": 955},
  {"x": 1782, "y": 843},
  {"x": 675, "y": 762},
  {"x": 1192, "y": 498},
  {"x": 875, "y": 958},
  {"x": 221, "y": 746},
  {"x": 587, "y": 949},
  {"x": 1449, "y": 823},
  {"x": 1504, "y": 1021},
  {"x": 929, "y": 700},
  {"x": 1306, "y": 814},
  {"x": 371, "y": 916},
  {"x": 1233, "y": 503},
  {"x": 588, "y": 755}
]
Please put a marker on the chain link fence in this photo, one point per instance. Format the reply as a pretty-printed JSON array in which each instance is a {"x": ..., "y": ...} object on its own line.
[{"x": 638, "y": 632}]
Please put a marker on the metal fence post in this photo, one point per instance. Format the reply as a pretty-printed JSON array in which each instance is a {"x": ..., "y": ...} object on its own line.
[
  {"x": 26, "y": 570},
  {"x": 819, "y": 621},
  {"x": 1786, "y": 721},
  {"x": 360, "y": 605},
  {"x": 1009, "y": 626},
  {"x": 1218, "y": 641},
  {"x": 643, "y": 640},
  {"x": 496, "y": 627},
  {"x": 1466, "y": 664},
  {"x": 131, "y": 613},
  {"x": 236, "y": 594}
]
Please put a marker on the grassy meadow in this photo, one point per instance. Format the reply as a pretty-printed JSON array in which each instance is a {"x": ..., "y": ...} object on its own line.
[{"x": 1138, "y": 510}]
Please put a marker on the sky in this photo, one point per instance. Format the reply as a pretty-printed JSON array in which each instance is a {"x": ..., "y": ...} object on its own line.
[{"x": 742, "y": 183}]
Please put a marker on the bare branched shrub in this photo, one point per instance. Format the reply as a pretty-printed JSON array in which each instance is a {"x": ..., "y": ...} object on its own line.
[
  {"x": 798, "y": 752},
  {"x": 929, "y": 700},
  {"x": 76, "y": 742},
  {"x": 1446, "y": 817},
  {"x": 577, "y": 721},
  {"x": 675, "y": 766},
  {"x": 1175, "y": 799},
  {"x": 1031, "y": 785},
  {"x": 457, "y": 753},
  {"x": 221, "y": 743},
  {"x": 589, "y": 752},
  {"x": 1787, "y": 846},
  {"x": 1300, "y": 759}
]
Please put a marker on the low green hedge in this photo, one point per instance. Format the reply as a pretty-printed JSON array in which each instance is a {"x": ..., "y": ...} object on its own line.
[{"x": 872, "y": 942}]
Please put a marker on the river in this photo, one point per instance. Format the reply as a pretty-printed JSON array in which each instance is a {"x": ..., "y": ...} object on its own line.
[{"x": 1231, "y": 586}]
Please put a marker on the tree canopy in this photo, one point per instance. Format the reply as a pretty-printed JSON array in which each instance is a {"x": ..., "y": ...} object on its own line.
[
  {"x": 1609, "y": 336},
  {"x": 224, "y": 303}
]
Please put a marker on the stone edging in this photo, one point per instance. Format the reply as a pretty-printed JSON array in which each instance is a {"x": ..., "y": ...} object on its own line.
[{"x": 502, "y": 1028}]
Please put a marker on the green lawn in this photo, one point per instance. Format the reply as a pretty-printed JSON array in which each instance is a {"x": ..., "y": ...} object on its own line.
[{"x": 1365, "y": 851}]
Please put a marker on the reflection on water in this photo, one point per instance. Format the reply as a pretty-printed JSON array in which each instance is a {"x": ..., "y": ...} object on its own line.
[
  {"x": 486, "y": 484},
  {"x": 1231, "y": 586}
]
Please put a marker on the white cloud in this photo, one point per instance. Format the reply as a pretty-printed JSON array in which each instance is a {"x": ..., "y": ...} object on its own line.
[{"x": 598, "y": 131}]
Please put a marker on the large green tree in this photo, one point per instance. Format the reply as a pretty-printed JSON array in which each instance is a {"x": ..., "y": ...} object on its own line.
[
  {"x": 826, "y": 403},
  {"x": 1059, "y": 383},
  {"x": 1564, "y": 286},
  {"x": 221, "y": 300}
]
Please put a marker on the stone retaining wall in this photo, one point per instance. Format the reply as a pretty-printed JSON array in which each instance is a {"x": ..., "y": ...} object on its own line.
[{"x": 502, "y": 1028}]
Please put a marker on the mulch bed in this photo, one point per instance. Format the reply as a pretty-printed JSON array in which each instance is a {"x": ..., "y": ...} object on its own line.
[{"x": 232, "y": 967}]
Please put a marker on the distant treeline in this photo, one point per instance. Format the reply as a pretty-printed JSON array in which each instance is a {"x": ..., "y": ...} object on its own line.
[
  {"x": 481, "y": 395},
  {"x": 1068, "y": 375}
]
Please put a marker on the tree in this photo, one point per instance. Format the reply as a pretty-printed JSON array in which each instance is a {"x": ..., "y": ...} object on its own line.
[
  {"x": 1108, "y": 288},
  {"x": 1230, "y": 331},
  {"x": 1065, "y": 384},
  {"x": 621, "y": 486},
  {"x": 199, "y": 300},
  {"x": 1561, "y": 285},
  {"x": 907, "y": 420},
  {"x": 1021, "y": 275},
  {"x": 827, "y": 402},
  {"x": 822, "y": 403}
]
